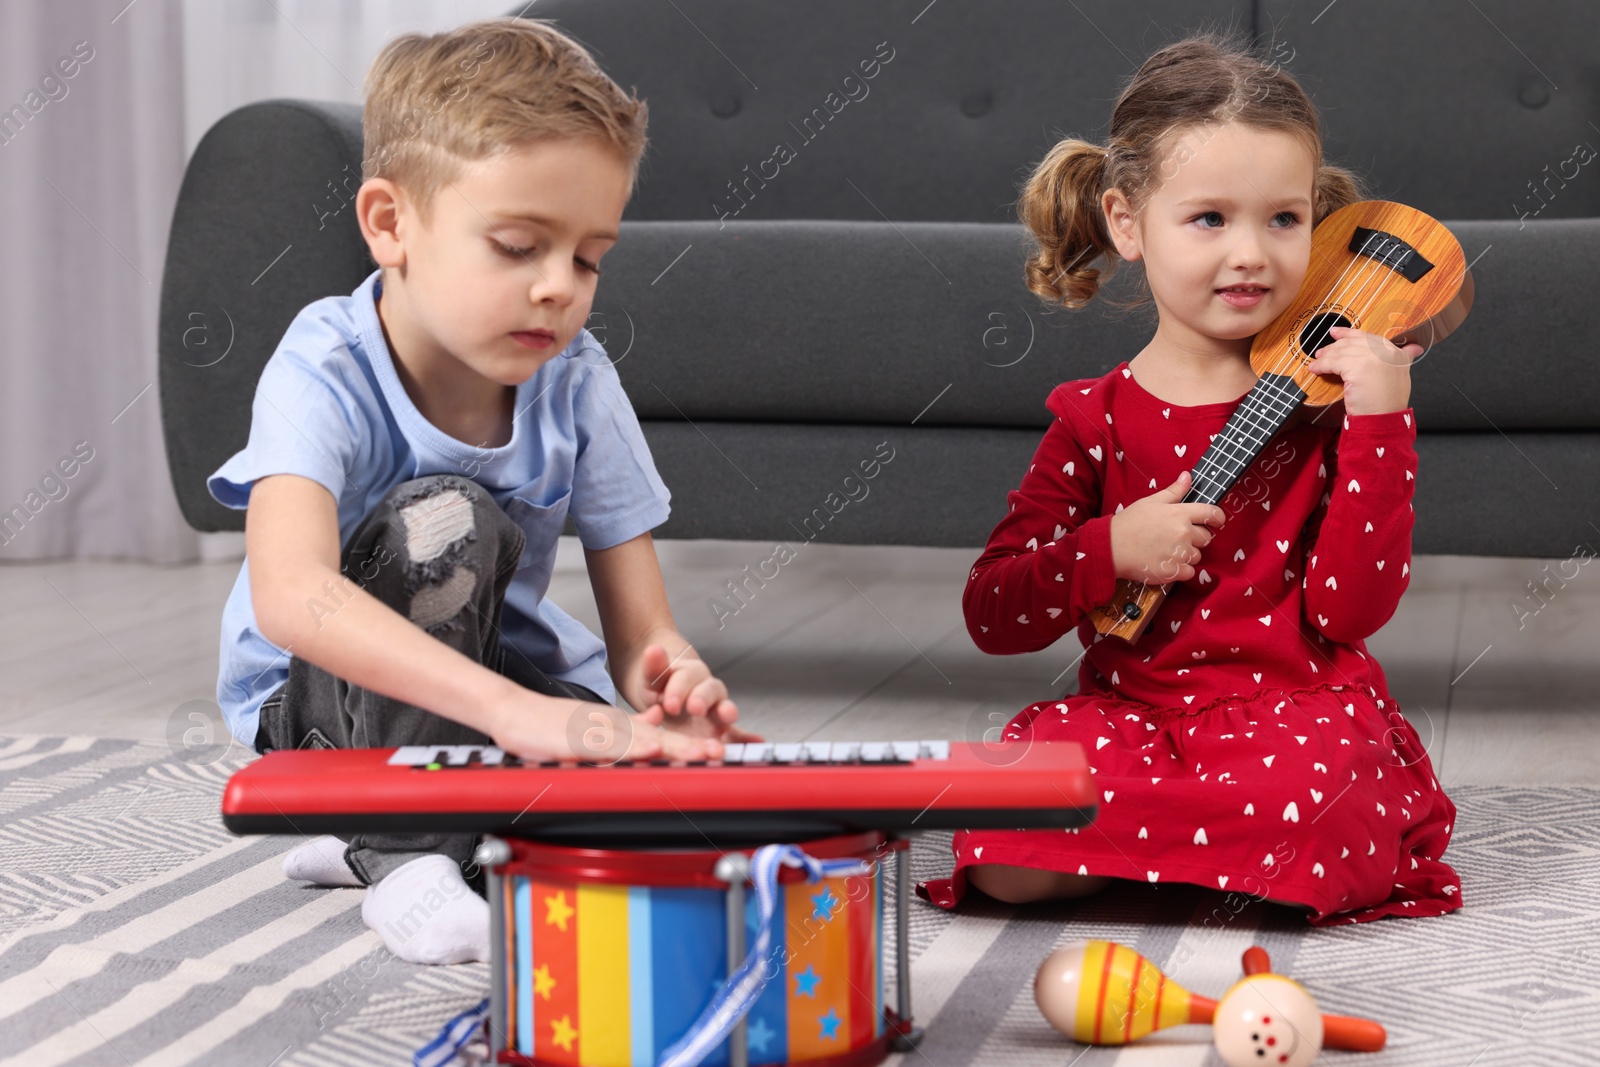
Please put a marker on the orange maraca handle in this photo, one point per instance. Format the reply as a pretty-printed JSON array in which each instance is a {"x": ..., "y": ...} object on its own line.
[
  {"x": 1357, "y": 1035},
  {"x": 1338, "y": 1031}
]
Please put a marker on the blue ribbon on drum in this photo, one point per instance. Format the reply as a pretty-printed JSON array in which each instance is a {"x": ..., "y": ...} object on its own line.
[
  {"x": 743, "y": 988},
  {"x": 452, "y": 1037},
  {"x": 730, "y": 1004}
]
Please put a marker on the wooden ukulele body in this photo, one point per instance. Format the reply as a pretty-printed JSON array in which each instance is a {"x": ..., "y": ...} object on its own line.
[{"x": 1378, "y": 266}]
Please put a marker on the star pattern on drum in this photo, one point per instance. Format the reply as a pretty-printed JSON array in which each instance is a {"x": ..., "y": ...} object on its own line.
[
  {"x": 806, "y": 982},
  {"x": 759, "y": 1036},
  {"x": 830, "y": 1025},
  {"x": 825, "y": 903},
  {"x": 562, "y": 1033},
  {"x": 558, "y": 911},
  {"x": 543, "y": 983}
]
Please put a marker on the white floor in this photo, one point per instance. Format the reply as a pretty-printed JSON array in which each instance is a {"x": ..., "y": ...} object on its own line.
[{"x": 849, "y": 643}]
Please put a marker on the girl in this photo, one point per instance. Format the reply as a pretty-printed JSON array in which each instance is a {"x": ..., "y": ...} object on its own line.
[{"x": 1246, "y": 741}]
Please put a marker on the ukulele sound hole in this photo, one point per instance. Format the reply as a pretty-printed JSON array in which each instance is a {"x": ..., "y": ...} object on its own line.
[{"x": 1314, "y": 334}]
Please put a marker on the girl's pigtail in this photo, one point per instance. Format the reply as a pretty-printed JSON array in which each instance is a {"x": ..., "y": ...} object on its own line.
[
  {"x": 1061, "y": 208},
  {"x": 1336, "y": 188}
]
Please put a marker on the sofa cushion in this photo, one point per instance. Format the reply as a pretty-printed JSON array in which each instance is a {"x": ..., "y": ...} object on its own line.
[
  {"x": 900, "y": 109},
  {"x": 1473, "y": 110},
  {"x": 864, "y": 322}
]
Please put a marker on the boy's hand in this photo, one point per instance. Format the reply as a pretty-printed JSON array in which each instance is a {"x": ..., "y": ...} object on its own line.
[
  {"x": 1376, "y": 372},
  {"x": 1157, "y": 539},
  {"x": 685, "y": 698},
  {"x": 537, "y": 727},
  {"x": 655, "y": 669}
]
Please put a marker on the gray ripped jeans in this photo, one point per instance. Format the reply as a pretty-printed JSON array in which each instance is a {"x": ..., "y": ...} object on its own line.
[{"x": 441, "y": 552}]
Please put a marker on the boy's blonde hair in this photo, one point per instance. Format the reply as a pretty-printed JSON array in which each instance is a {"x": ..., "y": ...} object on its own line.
[
  {"x": 1205, "y": 78},
  {"x": 434, "y": 103}
]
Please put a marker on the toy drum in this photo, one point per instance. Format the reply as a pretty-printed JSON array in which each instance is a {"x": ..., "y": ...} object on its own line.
[{"x": 606, "y": 957}]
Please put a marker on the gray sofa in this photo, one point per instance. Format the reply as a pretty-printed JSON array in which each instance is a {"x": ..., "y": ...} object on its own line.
[{"x": 867, "y": 299}]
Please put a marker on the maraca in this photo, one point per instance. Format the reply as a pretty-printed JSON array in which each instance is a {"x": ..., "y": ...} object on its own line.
[
  {"x": 1269, "y": 1019},
  {"x": 1103, "y": 993}
]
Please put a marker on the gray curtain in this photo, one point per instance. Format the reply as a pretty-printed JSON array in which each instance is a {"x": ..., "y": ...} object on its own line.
[{"x": 91, "y": 154}]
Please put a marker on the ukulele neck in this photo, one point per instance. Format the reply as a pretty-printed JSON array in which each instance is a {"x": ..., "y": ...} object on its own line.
[{"x": 1259, "y": 415}]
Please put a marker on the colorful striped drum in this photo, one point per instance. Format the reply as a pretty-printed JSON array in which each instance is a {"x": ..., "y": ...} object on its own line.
[{"x": 604, "y": 957}]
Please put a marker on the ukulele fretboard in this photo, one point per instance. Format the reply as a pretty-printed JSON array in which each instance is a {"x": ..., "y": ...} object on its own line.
[{"x": 1259, "y": 415}]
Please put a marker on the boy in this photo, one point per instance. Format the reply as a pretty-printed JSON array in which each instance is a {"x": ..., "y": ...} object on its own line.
[{"x": 440, "y": 424}]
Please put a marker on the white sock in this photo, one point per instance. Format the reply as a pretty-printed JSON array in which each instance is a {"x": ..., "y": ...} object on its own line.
[
  {"x": 426, "y": 913},
  {"x": 320, "y": 861}
]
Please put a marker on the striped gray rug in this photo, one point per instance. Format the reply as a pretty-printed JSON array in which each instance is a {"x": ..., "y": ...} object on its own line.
[{"x": 135, "y": 930}]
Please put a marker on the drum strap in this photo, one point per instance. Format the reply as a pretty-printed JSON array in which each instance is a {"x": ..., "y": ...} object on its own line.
[{"x": 455, "y": 1033}]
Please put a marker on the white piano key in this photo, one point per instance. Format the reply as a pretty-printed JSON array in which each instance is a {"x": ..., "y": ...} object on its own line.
[
  {"x": 787, "y": 752},
  {"x": 817, "y": 751},
  {"x": 875, "y": 751},
  {"x": 733, "y": 753},
  {"x": 459, "y": 755},
  {"x": 758, "y": 752},
  {"x": 936, "y": 750},
  {"x": 906, "y": 751},
  {"x": 412, "y": 756},
  {"x": 493, "y": 756},
  {"x": 844, "y": 751}
]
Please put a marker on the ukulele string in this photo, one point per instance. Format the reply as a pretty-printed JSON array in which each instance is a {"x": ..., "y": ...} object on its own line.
[
  {"x": 1277, "y": 393},
  {"x": 1368, "y": 271},
  {"x": 1347, "y": 295}
]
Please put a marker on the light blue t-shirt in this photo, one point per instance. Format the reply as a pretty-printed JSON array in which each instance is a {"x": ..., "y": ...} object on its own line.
[{"x": 330, "y": 406}]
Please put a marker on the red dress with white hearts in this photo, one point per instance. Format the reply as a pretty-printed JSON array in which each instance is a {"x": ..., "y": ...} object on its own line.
[{"x": 1246, "y": 741}]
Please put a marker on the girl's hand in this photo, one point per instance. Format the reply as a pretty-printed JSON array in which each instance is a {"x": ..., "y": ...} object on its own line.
[
  {"x": 684, "y": 697},
  {"x": 1157, "y": 539},
  {"x": 1376, "y": 372}
]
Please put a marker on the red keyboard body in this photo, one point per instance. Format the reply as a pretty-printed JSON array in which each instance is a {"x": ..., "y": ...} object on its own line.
[{"x": 760, "y": 793}]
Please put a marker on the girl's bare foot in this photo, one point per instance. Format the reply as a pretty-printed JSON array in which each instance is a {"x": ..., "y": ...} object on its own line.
[{"x": 1026, "y": 885}]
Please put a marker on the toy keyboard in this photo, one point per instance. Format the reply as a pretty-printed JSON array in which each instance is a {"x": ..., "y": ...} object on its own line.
[{"x": 757, "y": 792}]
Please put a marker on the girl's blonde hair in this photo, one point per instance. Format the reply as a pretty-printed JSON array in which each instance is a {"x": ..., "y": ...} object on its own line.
[
  {"x": 1206, "y": 78},
  {"x": 436, "y": 102}
]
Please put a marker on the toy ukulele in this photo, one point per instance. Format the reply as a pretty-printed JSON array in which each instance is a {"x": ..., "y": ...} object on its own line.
[{"x": 1375, "y": 265}]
